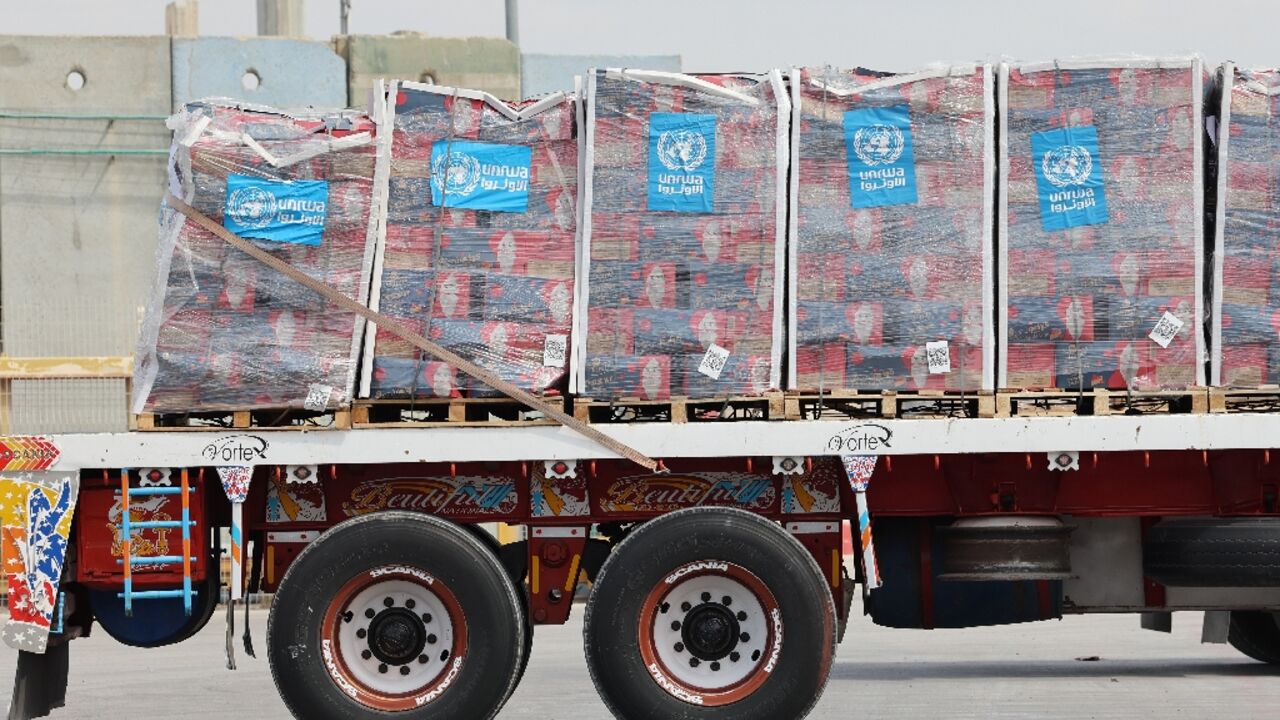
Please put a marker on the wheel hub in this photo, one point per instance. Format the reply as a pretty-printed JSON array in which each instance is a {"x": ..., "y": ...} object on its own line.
[
  {"x": 710, "y": 631},
  {"x": 397, "y": 636}
]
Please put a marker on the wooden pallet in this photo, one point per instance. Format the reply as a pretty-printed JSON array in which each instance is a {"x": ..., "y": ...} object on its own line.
[
  {"x": 1262, "y": 399},
  {"x": 447, "y": 412},
  {"x": 768, "y": 406},
  {"x": 885, "y": 404},
  {"x": 1054, "y": 402},
  {"x": 257, "y": 419}
]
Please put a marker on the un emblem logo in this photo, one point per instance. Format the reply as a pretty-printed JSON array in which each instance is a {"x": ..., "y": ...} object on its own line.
[
  {"x": 252, "y": 207},
  {"x": 878, "y": 144},
  {"x": 1066, "y": 165},
  {"x": 460, "y": 178},
  {"x": 681, "y": 150}
]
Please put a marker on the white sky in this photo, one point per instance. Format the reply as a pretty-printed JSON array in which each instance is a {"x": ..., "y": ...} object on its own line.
[{"x": 748, "y": 34}]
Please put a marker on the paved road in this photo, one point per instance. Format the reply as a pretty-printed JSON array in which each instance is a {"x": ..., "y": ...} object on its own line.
[{"x": 1010, "y": 672}]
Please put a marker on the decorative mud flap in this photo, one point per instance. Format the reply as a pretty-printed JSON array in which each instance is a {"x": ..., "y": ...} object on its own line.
[
  {"x": 235, "y": 483},
  {"x": 859, "y": 469},
  {"x": 36, "y": 509}
]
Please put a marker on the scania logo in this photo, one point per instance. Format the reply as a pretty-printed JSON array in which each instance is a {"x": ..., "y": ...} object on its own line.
[
  {"x": 460, "y": 177},
  {"x": 1066, "y": 165},
  {"x": 878, "y": 144},
  {"x": 252, "y": 207},
  {"x": 681, "y": 150}
]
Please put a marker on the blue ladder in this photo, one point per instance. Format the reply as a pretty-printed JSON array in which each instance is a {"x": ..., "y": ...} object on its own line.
[{"x": 127, "y": 526}]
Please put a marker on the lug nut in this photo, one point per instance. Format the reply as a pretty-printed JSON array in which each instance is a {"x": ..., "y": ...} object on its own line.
[
  {"x": 410, "y": 603},
  {"x": 686, "y": 607},
  {"x": 715, "y": 667},
  {"x": 726, "y": 601},
  {"x": 694, "y": 662},
  {"x": 388, "y": 602},
  {"x": 369, "y": 613},
  {"x": 361, "y": 633},
  {"x": 742, "y": 616},
  {"x": 366, "y": 654},
  {"x": 745, "y": 637},
  {"x": 404, "y": 669},
  {"x": 679, "y": 647},
  {"x": 675, "y": 624},
  {"x": 431, "y": 639},
  {"x": 423, "y": 659},
  {"x": 706, "y": 597},
  {"x": 735, "y": 656},
  {"x": 382, "y": 668},
  {"x": 426, "y": 617}
]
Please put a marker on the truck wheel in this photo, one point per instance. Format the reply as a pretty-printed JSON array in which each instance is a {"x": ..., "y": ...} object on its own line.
[
  {"x": 1256, "y": 634},
  {"x": 396, "y": 612},
  {"x": 710, "y": 613}
]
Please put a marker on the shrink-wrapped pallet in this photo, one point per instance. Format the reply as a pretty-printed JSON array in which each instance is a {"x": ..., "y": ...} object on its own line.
[
  {"x": 892, "y": 189},
  {"x": 1245, "y": 327},
  {"x": 1101, "y": 239},
  {"x": 479, "y": 249},
  {"x": 225, "y": 332},
  {"x": 683, "y": 225}
]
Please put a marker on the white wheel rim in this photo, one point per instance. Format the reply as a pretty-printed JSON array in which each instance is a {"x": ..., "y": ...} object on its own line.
[
  {"x": 700, "y": 601},
  {"x": 363, "y": 643}
]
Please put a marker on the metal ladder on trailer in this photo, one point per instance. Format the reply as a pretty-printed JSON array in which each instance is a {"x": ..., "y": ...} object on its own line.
[{"x": 127, "y": 526}]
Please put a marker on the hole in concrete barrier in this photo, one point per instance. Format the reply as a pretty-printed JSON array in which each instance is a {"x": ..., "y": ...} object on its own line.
[
  {"x": 427, "y": 78},
  {"x": 250, "y": 80},
  {"x": 75, "y": 79}
]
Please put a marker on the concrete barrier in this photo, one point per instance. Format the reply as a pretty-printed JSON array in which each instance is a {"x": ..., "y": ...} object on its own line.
[
  {"x": 280, "y": 72},
  {"x": 81, "y": 175},
  {"x": 489, "y": 64}
]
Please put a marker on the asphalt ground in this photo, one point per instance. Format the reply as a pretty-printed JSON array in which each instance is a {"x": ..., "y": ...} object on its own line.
[{"x": 1080, "y": 667}]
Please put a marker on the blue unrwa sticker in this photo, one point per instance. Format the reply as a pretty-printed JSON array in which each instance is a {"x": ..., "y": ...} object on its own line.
[
  {"x": 480, "y": 176},
  {"x": 283, "y": 211},
  {"x": 1069, "y": 177},
  {"x": 682, "y": 162},
  {"x": 882, "y": 165}
]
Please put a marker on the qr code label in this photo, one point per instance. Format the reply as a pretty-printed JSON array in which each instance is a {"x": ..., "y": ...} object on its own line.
[
  {"x": 317, "y": 397},
  {"x": 713, "y": 362},
  {"x": 939, "y": 356},
  {"x": 555, "y": 350},
  {"x": 1166, "y": 329}
]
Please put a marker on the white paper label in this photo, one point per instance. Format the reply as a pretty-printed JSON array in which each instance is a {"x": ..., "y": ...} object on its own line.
[
  {"x": 554, "y": 350},
  {"x": 317, "y": 397},
  {"x": 1166, "y": 329},
  {"x": 713, "y": 362},
  {"x": 939, "y": 356}
]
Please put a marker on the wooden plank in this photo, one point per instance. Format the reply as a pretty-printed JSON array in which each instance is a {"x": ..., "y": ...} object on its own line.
[{"x": 65, "y": 368}]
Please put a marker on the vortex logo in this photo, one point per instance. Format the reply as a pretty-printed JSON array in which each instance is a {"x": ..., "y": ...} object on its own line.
[
  {"x": 681, "y": 150},
  {"x": 252, "y": 207},
  {"x": 1066, "y": 165},
  {"x": 878, "y": 144},
  {"x": 461, "y": 177}
]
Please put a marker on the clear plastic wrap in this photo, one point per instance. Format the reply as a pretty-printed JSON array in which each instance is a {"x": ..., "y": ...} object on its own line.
[
  {"x": 1101, "y": 239},
  {"x": 1246, "y": 297},
  {"x": 891, "y": 246},
  {"x": 484, "y": 265},
  {"x": 225, "y": 332},
  {"x": 683, "y": 225}
]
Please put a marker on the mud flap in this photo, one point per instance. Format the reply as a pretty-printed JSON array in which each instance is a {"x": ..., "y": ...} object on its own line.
[{"x": 40, "y": 685}]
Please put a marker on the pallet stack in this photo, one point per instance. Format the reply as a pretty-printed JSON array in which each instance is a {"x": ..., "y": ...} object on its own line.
[
  {"x": 480, "y": 242},
  {"x": 891, "y": 197},
  {"x": 1101, "y": 241},
  {"x": 225, "y": 333},
  {"x": 684, "y": 212}
]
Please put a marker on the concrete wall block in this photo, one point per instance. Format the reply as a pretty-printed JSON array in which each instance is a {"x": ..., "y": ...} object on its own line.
[
  {"x": 488, "y": 64},
  {"x": 542, "y": 74},
  {"x": 283, "y": 73},
  {"x": 78, "y": 232}
]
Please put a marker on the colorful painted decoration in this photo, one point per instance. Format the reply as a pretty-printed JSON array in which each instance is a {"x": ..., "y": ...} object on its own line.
[
  {"x": 35, "y": 519},
  {"x": 859, "y": 469}
]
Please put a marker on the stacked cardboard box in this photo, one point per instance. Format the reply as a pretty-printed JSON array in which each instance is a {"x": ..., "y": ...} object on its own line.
[
  {"x": 1246, "y": 296},
  {"x": 224, "y": 331},
  {"x": 480, "y": 240},
  {"x": 684, "y": 215},
  {"x": 1101, "y": 237},
  {"x": 891, "y": 255}
]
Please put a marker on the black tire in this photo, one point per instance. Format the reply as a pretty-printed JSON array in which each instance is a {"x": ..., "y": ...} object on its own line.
[
  {"x": 657, "y": 558},
  {"x": 1256, "y": 634},
  {"x": 495, "y": 547},
  {"x": 1214, "y": 552},
  {"x": 483, "y": 667}
]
